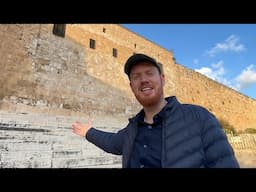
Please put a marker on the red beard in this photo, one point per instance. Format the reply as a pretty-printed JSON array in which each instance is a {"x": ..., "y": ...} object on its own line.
[{"x": 151, "y": 100}]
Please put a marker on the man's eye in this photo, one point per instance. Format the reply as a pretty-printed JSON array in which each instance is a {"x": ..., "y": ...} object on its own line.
[{"x": 135, "y": 77}]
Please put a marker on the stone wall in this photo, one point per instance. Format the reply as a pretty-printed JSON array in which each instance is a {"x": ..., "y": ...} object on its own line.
[
  {"x": 243, "y": 141},
  {"x": 189, "y": 86},
  {"x": 237, "y": 109},
  {"x": 100, "y": 61},
  {"x": 48, "y": 82},
  {"x": 50, "y": 73},
  {"x": 244, "y": 146},
  {"x": 44, "y": 70}
]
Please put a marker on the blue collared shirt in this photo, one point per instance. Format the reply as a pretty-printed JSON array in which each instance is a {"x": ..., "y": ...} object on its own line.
[{"x": 148, "y": 143}]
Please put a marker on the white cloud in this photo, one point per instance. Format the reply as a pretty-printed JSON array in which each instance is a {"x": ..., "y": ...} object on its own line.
[
  {"x": 207, "y": 72},
  {"x": 216, "y": 72},
  {"x": 247, "y": 78},
  {"x": 230, "y": 44}
]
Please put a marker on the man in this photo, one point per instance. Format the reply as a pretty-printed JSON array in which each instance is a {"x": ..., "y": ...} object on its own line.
[{"x": 165, "y": 133}]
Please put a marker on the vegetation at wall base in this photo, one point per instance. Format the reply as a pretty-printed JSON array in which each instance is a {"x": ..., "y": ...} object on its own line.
[{"x": 229, "y": 129}]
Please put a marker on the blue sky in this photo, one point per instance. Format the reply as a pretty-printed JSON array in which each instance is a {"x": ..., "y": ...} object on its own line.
[{"x": 223, "y": 52}]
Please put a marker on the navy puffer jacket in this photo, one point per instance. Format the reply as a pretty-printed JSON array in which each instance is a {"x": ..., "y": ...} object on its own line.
[{"x": 192, "y": 138}]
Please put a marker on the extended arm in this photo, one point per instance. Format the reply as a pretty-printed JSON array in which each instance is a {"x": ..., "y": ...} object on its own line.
[{"x": 109, "y": 142}]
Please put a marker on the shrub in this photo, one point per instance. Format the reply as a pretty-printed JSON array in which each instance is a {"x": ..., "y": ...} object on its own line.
[
  {"x": 229, "y": 129},
  {"x": 250, "y": 130}
]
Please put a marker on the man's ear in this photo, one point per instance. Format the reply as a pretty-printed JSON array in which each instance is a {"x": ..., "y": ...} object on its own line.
[
  {"x": 163, "y": 79},
  {"x": 131, "y": 87}
]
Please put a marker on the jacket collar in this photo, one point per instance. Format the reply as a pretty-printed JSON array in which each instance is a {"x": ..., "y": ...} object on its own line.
[{"x": 172, "y": 104}]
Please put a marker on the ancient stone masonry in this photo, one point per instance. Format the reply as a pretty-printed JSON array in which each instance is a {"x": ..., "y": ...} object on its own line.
[
  {"x": 222, "y": 101},
  {"x": 46, "y": 141},
  {"x": 48, "y": 80},
  {"x": 244, "y": 146},
  {"x": 42, "y": 141}
]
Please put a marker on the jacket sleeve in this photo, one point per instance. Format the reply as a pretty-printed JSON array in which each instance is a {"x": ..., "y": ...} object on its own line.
[
  {"x": 218, "y": 151},
  {"x": 109, "y": 142}
]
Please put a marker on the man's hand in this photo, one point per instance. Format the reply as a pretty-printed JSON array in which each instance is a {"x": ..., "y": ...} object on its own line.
[{"x": 80, "y": 128}]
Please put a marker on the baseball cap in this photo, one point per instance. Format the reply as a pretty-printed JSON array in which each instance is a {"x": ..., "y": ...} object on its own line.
[{"x": 138, "y": 57}]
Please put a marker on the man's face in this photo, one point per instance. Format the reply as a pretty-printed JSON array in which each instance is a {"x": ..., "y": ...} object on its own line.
[{"x": 146, "y": 83}]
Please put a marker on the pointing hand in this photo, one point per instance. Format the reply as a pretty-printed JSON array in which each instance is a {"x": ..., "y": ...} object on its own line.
[{"x": 80, "y": 128}]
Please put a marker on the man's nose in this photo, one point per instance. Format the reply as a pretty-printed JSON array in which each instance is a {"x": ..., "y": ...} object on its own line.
[{"x": 143, "y": 78}]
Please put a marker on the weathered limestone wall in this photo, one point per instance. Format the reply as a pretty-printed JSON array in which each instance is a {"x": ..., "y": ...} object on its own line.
[
  {"x": 43, "y": 70},
  {"x": 244, "y": 146},
  {"x": 45, "y": 76},
  {"x": 48, "y": 82},
  {"x": 50, "y": 73},
  {"x": 243, "y": 141},
  {"x": 189, "y": 86},
  {"x": 100, "y": 61},
  {"x": 226, "y": 103}
]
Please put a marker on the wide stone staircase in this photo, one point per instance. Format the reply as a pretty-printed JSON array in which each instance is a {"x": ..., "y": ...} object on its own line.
[
  {"x": 37, "y": 140},
  {"x": 43, "y": 141}
]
